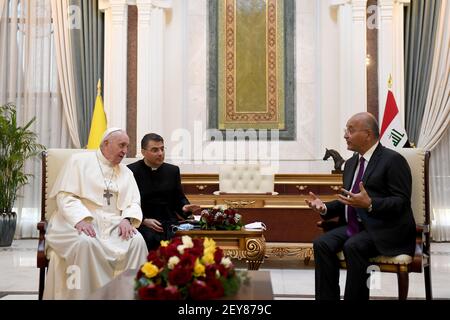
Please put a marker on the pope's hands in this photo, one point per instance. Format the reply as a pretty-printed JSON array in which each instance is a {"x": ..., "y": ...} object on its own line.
[
  {"x": 356, "y": 200},
  {"x": 153, "y": 224},
  {"x": 126, "y": 230},
  {"x": 315, "y": 203},
  {"x": 85, "y": 227}
]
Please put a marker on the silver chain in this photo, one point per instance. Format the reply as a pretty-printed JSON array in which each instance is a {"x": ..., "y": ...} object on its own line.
[{"x": 104, "y": 177}]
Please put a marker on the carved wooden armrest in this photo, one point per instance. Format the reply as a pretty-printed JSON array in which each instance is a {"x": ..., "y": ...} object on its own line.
[{"x": 41, "y": 258}]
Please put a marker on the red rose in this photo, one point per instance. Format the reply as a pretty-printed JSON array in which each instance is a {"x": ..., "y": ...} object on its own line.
[
  {"x": 171, "y": 293},
  {"x": 216, "y": 287},
  {"x": 218, "y": 255},
  {"x": 179, "y": 276},
  {"x": 210, "y": 271},
  {"x": 151, "y": 292},
  {"x": 154, "y": 258},
  {"x": 200, "y": 291}
]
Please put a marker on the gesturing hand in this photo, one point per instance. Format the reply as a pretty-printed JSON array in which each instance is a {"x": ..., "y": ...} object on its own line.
[
  {"x": 126, "y": 230},
  {"x": 356, "y": 200},
  {"x": 191, "y": 208},
  {"x": 85, "y": 227},
  {"x": 315, "y": 203}
]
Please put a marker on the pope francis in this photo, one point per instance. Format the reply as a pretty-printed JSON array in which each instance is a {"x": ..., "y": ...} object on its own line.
[{"x": 92, "y": 235}]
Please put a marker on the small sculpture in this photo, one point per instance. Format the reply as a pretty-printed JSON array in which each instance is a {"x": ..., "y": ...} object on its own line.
[{"x": 338, "y": 160}]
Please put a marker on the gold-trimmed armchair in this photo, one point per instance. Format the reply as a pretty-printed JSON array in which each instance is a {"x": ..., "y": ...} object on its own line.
[{"x": 403, "y": 264}]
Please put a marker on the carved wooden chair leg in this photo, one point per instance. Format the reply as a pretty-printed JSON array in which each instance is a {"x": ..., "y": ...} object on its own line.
[
  {"x": 41, "y": 282},
  {"x": 403, "y": 285},
  {"x": 427, "y": 276}
]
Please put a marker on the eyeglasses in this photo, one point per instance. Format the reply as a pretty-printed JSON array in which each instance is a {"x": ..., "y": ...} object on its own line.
[{"x": 351, "y": 131}]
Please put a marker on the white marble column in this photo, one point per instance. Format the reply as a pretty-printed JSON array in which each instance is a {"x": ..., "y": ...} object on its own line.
[
  {"x": 352, "y": 59},
  {"x": 391, "y": 53},
  {"x": 115, "y": 73},
  {"x": 150, "y": 91},
  {"x": 144, "y": 70}
]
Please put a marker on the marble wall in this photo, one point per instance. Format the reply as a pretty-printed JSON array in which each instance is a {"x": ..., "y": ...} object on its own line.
[{"x": 185, "y": 111}]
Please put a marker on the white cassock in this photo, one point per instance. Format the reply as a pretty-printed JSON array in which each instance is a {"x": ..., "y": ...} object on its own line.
[{"x": 80, "y": 264}]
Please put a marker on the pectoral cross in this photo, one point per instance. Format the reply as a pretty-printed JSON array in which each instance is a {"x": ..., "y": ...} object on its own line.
[{"x": 107, "y": 195}]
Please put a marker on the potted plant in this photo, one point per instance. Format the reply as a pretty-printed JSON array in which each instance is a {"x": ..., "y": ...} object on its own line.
[{"x": 17, "y": 144}]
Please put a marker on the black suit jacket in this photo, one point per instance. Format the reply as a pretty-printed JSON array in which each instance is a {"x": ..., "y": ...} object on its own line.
[
  {"x": 387, "y": 179},
  {"x": 162, "y": 196}
]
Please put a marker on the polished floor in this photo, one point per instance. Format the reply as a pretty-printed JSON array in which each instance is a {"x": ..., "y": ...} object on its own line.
[{"x": 291, "y": 279}]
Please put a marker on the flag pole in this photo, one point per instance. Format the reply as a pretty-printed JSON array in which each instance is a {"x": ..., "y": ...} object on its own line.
[{"x": 99, "y": 87}]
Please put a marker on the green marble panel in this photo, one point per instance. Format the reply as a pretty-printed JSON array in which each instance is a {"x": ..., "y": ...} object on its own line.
[{"x": 251, "y": 56}]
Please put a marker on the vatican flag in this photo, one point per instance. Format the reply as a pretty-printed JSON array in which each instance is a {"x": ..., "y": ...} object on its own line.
[{"x": 98, "y": 124}]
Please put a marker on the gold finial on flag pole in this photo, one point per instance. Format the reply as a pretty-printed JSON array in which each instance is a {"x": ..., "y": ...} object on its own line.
[
  {"x": 99, "y": 87},
  {"x": 390, "y": 82}
]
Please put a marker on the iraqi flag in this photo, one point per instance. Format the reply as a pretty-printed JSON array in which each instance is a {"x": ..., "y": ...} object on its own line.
[{"x": 393, "y": 134}]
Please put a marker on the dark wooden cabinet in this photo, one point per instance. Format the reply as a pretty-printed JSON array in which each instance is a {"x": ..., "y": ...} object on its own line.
[{"x": 286, "y": 215}]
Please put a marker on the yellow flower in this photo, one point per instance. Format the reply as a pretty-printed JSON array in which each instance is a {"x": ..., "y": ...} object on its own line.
[
  {"x": 199, "y": 269},
  {"x": 149, "y": 269},
  {"x": 209, "y": 243},
  {"x": 208, "y": 258},
  {"x": 164, "y": 243}
]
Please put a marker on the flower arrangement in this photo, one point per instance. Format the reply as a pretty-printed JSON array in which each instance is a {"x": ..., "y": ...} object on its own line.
[
  {"x": 220, "y": 218},
  {"x": 187, "y": 268}
]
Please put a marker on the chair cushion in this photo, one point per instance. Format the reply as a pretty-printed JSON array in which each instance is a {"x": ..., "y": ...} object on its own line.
[{"x": 400, "y": 259}]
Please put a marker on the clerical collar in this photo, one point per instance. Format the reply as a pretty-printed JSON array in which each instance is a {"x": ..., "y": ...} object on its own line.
[
  {"x": 153, "y": 168},
  {"x": 102, "y": 159}
]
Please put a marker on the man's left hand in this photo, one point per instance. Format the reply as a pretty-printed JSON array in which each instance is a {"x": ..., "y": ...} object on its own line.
[
  {"x": 191, "y": 208},
  {"x": 356, "y": 200},
  {"x": 126, "y": 230}
]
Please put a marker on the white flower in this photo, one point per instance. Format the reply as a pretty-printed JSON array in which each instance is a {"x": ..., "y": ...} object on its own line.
[
  {"x": 173, "y": 261},
  {"x": 187, "y": 242},
  {"x": 180, "y": 248},
  {"x": 226, "y": 262}
]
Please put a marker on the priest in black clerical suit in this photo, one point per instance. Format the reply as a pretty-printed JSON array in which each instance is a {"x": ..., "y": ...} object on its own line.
[{"x": 162, "y": 199}]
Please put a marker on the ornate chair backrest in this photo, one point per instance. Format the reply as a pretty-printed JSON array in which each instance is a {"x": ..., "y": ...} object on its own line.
[
  {"x": 52, "y": 162},
  {"x": 418, "y": 162},
  {"x": 244, "y": 178}
]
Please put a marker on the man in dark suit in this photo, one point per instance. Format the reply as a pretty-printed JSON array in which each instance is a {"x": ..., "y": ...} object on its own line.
[
  {"x": 162, "y": 199},
  {"x": 374, "y": 212}
]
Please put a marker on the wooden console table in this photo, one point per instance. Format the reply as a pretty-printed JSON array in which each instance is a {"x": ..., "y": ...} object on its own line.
[{"x": 243, "y": 244}]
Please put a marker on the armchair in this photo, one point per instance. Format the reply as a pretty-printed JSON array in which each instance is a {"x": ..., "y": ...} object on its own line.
[{"x": 403, "y": 264}]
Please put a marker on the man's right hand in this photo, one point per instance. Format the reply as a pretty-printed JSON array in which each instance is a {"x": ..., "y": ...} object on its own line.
[
  {"x": 86, "y": 227},
  {"x": 315, "y": 203},
  {"x": 153, "y": 224}
]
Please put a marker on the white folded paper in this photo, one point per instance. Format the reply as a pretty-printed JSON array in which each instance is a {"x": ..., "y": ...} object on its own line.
[{"x": 256, "y": 225}]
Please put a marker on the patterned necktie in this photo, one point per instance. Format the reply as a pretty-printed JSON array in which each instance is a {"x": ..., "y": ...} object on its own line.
[{"x": 353, "y": 224}]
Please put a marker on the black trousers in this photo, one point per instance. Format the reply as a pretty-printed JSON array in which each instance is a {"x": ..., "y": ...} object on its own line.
[
  {"x": 357, "y": 251},
  {"x": 153, "y": 238}
]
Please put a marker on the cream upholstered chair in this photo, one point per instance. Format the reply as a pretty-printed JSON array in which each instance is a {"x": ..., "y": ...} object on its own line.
[
  {"x": 52, "y": 162},
  {"x": 403, "y": 264},
  {"x": 245, "y": 178}
]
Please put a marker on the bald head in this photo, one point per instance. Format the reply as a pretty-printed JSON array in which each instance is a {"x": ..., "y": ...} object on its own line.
[
  {"x": 369, "y": 122},
  {"x": 362, "y": 132}
]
